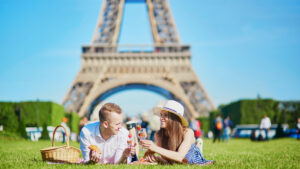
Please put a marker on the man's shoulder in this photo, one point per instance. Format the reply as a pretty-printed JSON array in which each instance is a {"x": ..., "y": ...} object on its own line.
[
  {"x": 91, "y": 126},
  {"x": 123, "y": 132}
]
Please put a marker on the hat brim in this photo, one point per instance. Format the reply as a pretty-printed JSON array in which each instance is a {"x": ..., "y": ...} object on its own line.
[{"x": 157, "y": 111}]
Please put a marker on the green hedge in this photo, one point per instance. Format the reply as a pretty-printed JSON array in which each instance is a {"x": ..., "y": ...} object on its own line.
[
  {"x": 8, "y": 117},
  {"x": 34, "y": 114},
  {"x": 73, "y": 122},
  {"x": 39, "y": 113},
  {"x": 252, "y": 111},
  {"x": 204, "y": 123}
]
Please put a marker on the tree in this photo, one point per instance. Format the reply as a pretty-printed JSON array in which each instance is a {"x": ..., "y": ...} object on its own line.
[
  {"x": 22, "y": 129},
  {"x": 45, "y": 133}
]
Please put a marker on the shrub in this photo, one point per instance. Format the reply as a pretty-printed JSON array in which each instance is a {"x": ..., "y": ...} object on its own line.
[
  {"x": 73, "y": 123},
  {"x": 204, "y": 123},
  {"x": 33, "y": 114},
  {"x": 22, "y": 129},
  {"x": 252, "y": 111},
  {"x": 8, "y": 117},
  {"x": 45, "y": 133}
]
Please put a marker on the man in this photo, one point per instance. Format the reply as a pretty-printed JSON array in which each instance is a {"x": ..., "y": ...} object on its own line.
[
  {"x": 218, "y": 126},
  {"x": 108, "y": 135},
  {"x": 298, "y": 128},
  {"x": 195, "y": 125},
  {"x": 227, "y": 124},
  {"x": 265, "y": 125},
  {"x": 68, "y": 132}
]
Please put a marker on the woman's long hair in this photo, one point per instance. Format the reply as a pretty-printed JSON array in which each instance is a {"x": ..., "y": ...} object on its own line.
[{"x": 171, "y": 137}]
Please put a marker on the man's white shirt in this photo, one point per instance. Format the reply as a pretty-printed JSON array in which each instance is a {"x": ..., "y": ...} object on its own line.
[
  {"x": 112, "y": 148},
  {"x": 265, "y": 123}
]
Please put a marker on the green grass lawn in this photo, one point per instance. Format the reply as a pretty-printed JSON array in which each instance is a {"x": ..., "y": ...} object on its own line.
[{"x": 238, "y": 153}]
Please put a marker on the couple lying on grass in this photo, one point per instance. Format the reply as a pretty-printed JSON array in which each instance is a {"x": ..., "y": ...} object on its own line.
[{"x": 175, "y": 142}]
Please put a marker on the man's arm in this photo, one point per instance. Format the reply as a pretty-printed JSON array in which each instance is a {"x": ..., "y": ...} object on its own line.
[
  {"x": 120, "y": 156},
  {"x": 84, "y": 144},
  {"x": 123, "y": 151},
  {"x": 173, "y": 155}
]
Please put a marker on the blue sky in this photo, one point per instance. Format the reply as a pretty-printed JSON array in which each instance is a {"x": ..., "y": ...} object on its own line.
[{"x": 239, "y": 48}]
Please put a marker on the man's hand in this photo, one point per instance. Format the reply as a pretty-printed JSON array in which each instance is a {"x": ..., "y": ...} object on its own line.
[
  {"x": 130, "y": 151},
  {"x": 94, "y": 157}
]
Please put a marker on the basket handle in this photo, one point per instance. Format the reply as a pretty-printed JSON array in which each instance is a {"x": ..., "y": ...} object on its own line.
[{"x": 67, "y": 138}]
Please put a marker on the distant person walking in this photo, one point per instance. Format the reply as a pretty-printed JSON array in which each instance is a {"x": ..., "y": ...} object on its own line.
[
  {"x": 81, "y": 124},
  {"x": 265, "y": 125},
  {"x": 298, "y": 128},
  {"x": 195, "y": 125},
  {"x": 218, "y": 126},
  {"x": 64, "y": 124},
  {"x": 145, "y": 123},
  {"x": 227, "y": 124}
]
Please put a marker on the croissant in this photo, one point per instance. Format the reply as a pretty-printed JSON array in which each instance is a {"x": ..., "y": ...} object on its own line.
[{"x": 95, "y": 148}]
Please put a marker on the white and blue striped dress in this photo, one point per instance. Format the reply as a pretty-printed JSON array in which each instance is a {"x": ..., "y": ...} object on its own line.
[{"x": 194, "y": 156}]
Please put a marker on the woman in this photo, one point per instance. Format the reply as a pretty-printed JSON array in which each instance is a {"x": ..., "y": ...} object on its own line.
[{"x": 175, "y": 142}]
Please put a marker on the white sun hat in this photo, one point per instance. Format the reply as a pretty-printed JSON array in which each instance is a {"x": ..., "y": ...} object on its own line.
[{"x": 174, "y": 107}]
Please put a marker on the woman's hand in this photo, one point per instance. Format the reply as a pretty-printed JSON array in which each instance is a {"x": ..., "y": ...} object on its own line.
[
  {"x": 150, "y": 157},
  {"x": 148, "y": 144}
]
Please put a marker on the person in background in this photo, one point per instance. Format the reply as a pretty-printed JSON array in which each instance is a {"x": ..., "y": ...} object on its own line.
[
  {"x": 253, "y": 135},
  {"x": 195, "y": 125},
  {"x": 218, "y": 126},
  {"x": 67, "y": 133},
  {"x": 108, "y": 135},
  {"x": 265, "y": 125},
  {"x": 227, "y": 124},
  {"x": 298, "y": 128},
  {"x": 145, "y": 123},
  {"x": 81, "y": 124}
]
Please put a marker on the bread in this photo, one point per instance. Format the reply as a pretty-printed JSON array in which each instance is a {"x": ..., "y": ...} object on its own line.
[
  {"x": 95, "y": 148},
  {"x": 143, "y": 163}
]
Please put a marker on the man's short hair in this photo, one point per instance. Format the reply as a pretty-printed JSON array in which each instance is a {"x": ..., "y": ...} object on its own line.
[{"x": 107, "y": 109}]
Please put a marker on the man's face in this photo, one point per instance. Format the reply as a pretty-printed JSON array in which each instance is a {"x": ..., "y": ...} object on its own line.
[{"x": 114, "y": 122}]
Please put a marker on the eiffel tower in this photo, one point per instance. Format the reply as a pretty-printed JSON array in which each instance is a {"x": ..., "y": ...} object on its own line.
[{"x": 163, "y": 67}]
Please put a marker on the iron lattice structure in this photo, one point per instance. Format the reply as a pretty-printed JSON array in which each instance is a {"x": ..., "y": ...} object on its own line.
[{"x": 108, "y": 67}]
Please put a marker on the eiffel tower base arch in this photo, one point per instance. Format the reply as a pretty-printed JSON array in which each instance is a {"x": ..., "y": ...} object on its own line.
[{"x": 165, "y": 64}]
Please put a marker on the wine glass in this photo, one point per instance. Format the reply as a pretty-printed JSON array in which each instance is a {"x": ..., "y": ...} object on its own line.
[
  {"x": 130, "y": 144},
  {"x": 142, "y": 134}
]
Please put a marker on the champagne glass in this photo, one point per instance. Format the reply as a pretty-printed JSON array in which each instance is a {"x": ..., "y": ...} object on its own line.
[
  {"x": 130, "y": 144},
  {"x": 142, "y": 134}
]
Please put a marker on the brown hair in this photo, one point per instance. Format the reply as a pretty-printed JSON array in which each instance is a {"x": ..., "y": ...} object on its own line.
[
  {"x": 107, "y": 109},
  {"x": 171, "y": 137}
]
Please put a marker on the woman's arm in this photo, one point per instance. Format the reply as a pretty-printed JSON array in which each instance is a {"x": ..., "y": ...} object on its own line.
[{"x": 188, "y": 140}]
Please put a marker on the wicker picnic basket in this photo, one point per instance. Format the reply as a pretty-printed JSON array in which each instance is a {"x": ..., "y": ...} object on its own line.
[{"x": 64, "y": 154}]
